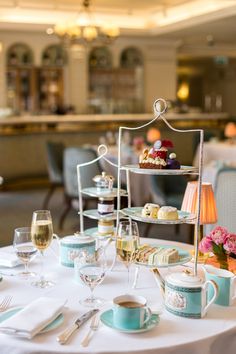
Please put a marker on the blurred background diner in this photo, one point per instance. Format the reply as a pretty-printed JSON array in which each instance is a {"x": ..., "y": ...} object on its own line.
[{"x": 73, "y": 71}]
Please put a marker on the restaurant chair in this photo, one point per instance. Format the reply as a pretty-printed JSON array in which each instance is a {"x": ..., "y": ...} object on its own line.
[
  {"x": 54, "y": 152},
  {"x": 225, "y": 195},
  {"x": 72, "y": 157}
]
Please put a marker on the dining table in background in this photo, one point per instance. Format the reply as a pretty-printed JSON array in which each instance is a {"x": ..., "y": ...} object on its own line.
[
  {"x": 213, "y": 334},
  {"x": 217, "y": 151}
]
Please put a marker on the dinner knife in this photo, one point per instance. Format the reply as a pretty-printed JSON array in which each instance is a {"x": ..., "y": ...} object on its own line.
[{"x": 64, "y": 336}]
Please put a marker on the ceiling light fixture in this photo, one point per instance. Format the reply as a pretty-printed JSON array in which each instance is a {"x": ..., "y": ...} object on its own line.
[{"x": 84, "y": 29}]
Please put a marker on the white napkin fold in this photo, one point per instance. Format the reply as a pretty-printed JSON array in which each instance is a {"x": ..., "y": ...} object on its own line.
[
  {"x": 9, "y": 260},
  {"x": 33, "y": 318}
]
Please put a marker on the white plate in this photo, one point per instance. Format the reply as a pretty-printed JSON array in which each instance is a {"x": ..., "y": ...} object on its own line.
[
  {"x": 93, "y": 192},
  {"x": 93, "y": 232},
  {"x": 184, "y": 170},
  {"x": 136, "y": 214},
  {"x": 93, "y": 214}
]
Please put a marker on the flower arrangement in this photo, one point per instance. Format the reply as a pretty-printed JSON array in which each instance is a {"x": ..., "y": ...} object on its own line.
[{"x": 221, "y": 243}]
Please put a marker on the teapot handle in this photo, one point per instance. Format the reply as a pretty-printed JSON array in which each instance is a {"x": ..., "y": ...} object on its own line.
[
  {"x": 215, "y": 287},
  {"x": 234, "y": 287}
]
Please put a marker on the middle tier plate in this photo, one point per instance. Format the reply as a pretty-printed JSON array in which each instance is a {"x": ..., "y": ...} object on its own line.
[
  {"x": 135, "y": 213},
  {"x": 93, "y": 214},
  {"x": 93, "y": 192}
]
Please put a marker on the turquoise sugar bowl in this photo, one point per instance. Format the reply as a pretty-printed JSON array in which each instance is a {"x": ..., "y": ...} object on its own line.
[
  {"x": 71, "y": 246},
  {"x": 186, "y": 295}
]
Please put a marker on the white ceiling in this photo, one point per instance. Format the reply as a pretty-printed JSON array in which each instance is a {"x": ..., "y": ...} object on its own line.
[{"x": 187, "y": 20}]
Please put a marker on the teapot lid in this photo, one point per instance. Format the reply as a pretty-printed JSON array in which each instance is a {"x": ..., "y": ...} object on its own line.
[
  {"x": 185, "y": 278},
  {"x": 103, "y": 177},
  {"x": 77, "y": 238}
]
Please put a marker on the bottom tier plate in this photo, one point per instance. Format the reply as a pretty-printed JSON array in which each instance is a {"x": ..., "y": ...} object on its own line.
[{"x": 184, "y": 257}]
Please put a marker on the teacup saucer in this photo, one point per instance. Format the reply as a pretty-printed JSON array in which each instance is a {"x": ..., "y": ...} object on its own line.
[{"x": 107, "y": 319}]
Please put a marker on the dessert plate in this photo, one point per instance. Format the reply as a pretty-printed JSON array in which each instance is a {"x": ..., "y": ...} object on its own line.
[
  {"x": 107, "y": 319},
  {"x": 93, "y": 192},
  {"x": 52, "y": 325},
  {"x": 93, "y": 232},
  {"x": 136, "y": 214},
  {"x": 184, "y": 257},
  {"x": 148, "y": 171},
  {"x": 93, "y": 214}
]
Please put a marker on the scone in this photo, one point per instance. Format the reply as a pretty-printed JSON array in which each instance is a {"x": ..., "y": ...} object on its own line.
[
  {"x": 168, "y": 213},
  {"x": 150, "y": 210}
]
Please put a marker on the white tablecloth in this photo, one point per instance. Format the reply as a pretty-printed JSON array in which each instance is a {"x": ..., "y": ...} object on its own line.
[{"x": 215, "y": 334}]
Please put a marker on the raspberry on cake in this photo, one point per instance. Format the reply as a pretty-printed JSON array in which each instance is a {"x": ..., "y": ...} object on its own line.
[
  {"x": 156, "y": 157},
  {"x": 150, "y": 210},
  {"x": 168, "y": 213}
]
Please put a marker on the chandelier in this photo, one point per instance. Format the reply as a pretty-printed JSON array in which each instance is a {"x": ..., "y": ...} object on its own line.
[{"x": 84, "y": 30}]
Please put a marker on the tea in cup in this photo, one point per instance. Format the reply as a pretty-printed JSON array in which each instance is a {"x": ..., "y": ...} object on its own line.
[
  {"x": 130, "y": 312},
  {"x": 226, "y": 282}
]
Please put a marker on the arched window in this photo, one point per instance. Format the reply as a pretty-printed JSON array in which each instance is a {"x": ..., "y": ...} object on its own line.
[
  {"x": 100, "y": 58},
  {"x": 19, "y": 54},
  {"x": 54, "y": 55},
  {"x": 131, "y": 58}
]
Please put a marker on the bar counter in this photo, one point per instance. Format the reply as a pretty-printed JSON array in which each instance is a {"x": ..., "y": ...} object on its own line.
[{"x": 23, "y": 139}]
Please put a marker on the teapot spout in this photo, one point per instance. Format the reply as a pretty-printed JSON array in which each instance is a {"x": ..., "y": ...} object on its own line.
[{"x": 160, "y": 281}]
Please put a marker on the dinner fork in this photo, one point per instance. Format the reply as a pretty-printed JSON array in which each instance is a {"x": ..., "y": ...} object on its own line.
[
  {"x": 93, "y": 327},
  {"x": 5, "y": 303}
]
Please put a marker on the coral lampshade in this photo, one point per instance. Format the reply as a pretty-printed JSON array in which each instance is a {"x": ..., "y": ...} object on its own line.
[
  {"x": 208, "y": 212},
  {"x": 153, "y": 135}
]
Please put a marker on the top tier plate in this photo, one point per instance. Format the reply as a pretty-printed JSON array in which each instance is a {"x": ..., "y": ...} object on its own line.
[
  {"x": 184, "y": 170},
  {"x": 93, "y": 192}
]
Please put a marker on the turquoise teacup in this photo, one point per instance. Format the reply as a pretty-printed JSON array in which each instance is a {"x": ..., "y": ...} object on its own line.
[
  {"x": 130, "y": 312},
  {"x": 226, "y": 282}
]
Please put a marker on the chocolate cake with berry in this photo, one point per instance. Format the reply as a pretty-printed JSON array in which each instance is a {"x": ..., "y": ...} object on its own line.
[{"x": 156, "y": 157}]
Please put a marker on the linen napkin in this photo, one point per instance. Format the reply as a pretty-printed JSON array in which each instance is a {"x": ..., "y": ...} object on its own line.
[
  {"x": 33, "y": 318},
  {"x": 8, "y": 260}
]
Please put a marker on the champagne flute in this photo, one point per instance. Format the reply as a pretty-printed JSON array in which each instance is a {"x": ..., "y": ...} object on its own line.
[
  {"x": 92, "y": 272},
  {"x": 24, "y": 248},
  {"x": 41, "y": 235},
  {"x": 127, "y": 242}
]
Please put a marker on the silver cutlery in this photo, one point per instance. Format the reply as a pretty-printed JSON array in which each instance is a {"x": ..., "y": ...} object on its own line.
[
  {"x": 5, "y": 303},
  {"x": 64, "y": 336},
  {"x": 93, "y": 327}
]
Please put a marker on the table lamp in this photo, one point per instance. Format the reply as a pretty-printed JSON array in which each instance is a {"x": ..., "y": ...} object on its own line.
[
  {"x": 208, "y": 212},
  {"x": 230, "y": 132}
]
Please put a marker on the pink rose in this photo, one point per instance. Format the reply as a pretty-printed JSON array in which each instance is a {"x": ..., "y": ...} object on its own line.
[
  {"x": 205, "y": 245},
  {"x": 230, "y": 243},
  {"x": 219, "y": 235}
]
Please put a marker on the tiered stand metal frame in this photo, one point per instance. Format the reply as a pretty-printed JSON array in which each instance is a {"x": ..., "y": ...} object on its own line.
[
  {"x": 160, "y": 108},
  {"x": 92, "y": 192}
]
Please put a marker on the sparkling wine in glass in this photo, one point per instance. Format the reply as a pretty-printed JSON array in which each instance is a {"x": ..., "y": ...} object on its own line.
[
  {"x": 41, "y": 235},
  {"x": 92, "y": 274},
  {"x": 24, "y": 248},
  {"x": 127, "y": 242}
]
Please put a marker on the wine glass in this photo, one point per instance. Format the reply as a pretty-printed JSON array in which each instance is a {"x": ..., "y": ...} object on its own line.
[
  {"x": 127, "y": 242},
  {"x": 92, "y": 272},
  {"x": 24, "y": 248},
  {"x": 41, "y": 235}
]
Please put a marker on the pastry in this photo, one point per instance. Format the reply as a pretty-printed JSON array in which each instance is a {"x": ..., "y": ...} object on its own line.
[
  {"x": 150, "y": 210},
  {"x": 172, "y": 163},
  {"x": 156, "y": 255},
  {"x": 156, "y": 157},
  {"x": 168, "y": 213}
]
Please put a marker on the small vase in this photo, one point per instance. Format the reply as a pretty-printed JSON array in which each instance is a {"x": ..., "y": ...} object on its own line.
[{"x": 223, "y": 262}]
